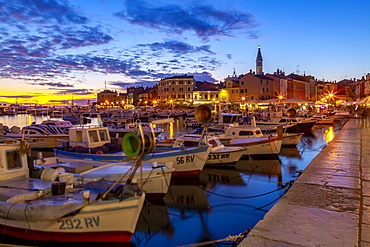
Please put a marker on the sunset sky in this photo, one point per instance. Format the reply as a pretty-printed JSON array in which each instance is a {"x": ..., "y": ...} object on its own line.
[{"x": 54, "y": 51}]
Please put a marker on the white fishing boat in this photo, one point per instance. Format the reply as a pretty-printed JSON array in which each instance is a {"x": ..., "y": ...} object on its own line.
[
  {"x": 293, "y": 125},
  {"x": 40, "y": 136},
  {"x": 219, "y": 153},
  {"x": 154, "y": 179},
  {"x": 46, "y": 210},
  {"x": 251, "y": 138},
  {"x": 94, "y": 143},
  {"x": 323, "y": 120},
  {"x": 119, "y": 132}
]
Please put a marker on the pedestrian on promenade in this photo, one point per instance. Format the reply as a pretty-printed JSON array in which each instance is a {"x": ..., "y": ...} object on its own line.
[{"x": 364, "y": 118}]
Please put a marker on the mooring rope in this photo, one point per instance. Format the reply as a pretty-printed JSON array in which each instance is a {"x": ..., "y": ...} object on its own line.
[{"x": 236, "y": 239}]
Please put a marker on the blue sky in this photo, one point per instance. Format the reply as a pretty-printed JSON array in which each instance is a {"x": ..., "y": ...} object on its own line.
[{"x": 55, "y": 50}]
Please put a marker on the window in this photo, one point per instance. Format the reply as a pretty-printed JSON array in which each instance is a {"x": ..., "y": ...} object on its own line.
[
  {"x": 103, "y": 135},
  {"x": 188, "y": 88},
  {"x": 242, "y": 82},
  {"x": 79, "y": 136},
  {"x": 241, "y": 90},
  {"x": 260, "y": 81},
  {"x": 267, "y": 82},
  {"x": 190, "y": 144},
  {"x": 245, "y": 133},
  {"x": 213, "y": 143},
  {"x": 267, "y": 90},
  {"x": 263, "y": 90},
  {"x": 93, "y": 135},
  {"x": 13, "y": 160}
]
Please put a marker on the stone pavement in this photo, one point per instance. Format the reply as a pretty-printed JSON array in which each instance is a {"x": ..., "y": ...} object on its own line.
[{"x": 329, "y": 204}]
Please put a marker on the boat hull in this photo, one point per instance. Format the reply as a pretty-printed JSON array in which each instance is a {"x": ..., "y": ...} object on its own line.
[
  {"x": 291, "y": 139},
  {"x": 96, "y": 222},
  {"x": 229, "y": 155},
  {"x": 154, "y": 182},
  {"x": 42, "y": 142},
  {"x": 257, "y": 146},
  {"x": 187, "y": 162}
]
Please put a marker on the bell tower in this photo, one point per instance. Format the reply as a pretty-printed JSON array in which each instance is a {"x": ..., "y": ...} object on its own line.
[{"x": 259, "y": 60}]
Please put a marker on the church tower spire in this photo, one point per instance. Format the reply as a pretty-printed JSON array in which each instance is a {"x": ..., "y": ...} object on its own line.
[{"x": 259, "y": 60}]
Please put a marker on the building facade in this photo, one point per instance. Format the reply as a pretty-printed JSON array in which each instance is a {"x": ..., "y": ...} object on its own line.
[{"x": 177, "y": 89}]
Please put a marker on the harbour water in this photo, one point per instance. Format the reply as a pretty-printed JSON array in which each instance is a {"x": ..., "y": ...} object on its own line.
[{"x": 221, "y": 201}]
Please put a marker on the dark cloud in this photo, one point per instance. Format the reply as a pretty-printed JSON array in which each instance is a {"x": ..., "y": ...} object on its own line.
[
  {"x": 124, "y": 85},
  {"x": 176, "y": 47},
  {"x": 39, "y": 12},
  {"x": 18, "y": 96},
  {"x": 205, "y": 20},
  {"x": 37, "y": 35},
  {"x": 75, "y": 101},
  {"x": 52, "y": 84},
  {"x": 77, "y": 91},
  {"x": 204, "y": 76}
]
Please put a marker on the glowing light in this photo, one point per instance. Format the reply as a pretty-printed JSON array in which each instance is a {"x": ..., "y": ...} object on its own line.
[
  {"x": 171, "y": 131},
  {"x": 329, "y": 134}
]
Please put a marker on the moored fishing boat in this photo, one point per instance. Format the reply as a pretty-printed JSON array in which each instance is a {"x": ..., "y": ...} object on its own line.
[
  {"x": 45, "y": 210},
  {"x": 40, "y": 136},
  {"x": 251, "y": 138},
  {"x": 94, "y": 143},
  {"x": 154, "y": 178},
  {"x": 219, "y": 154}
]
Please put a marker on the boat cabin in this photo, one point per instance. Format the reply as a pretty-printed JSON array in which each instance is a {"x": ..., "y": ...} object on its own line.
[
  {"x": 192, "y": 140},
  {"x": 92, "y": 136},
  {"x": 241, "y": 131},
  {"x": 228, "y": 118},
  {"x": 13, "y": 162}
]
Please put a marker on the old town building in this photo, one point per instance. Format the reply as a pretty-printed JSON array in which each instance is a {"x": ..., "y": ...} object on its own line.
[{"x": 176, "y": 89}]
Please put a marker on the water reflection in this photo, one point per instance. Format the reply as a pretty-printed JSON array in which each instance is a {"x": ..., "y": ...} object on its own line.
[
  {"x": 224, "y": 201},
  {"x": 185, "y": 195},
  {"x": 329, "y": 134},
  {"x": 225, "y": 175},
  {"x": 228, "y": 200},
  {"x": 155, "y": 219},
  {"x": 270, "y": 168}
]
